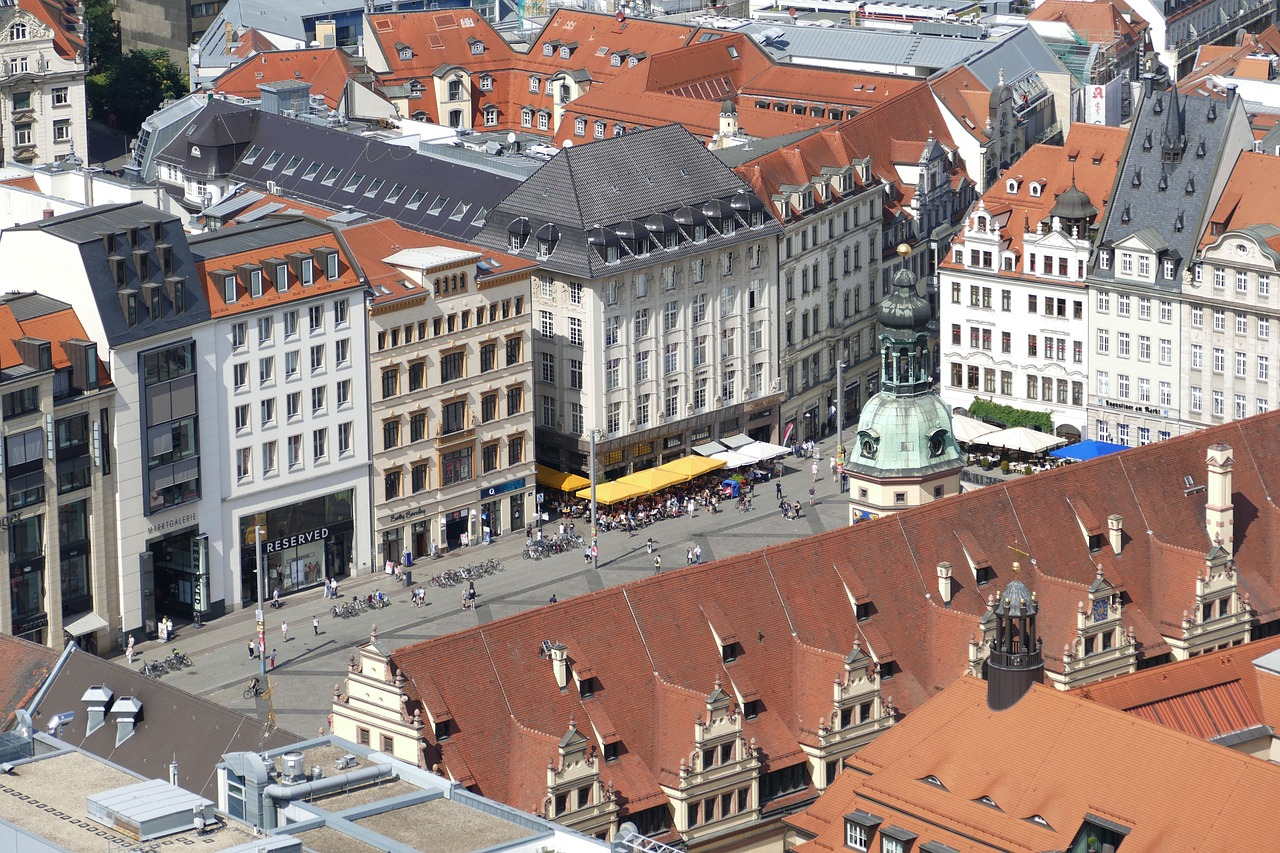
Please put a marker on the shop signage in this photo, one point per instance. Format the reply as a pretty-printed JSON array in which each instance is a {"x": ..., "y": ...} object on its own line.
[
  {"x": 409, "y": 513},
  {"x": 1130, "y": 407},
  {"x": 171, "y": 523},
  {"x": 31, "y": 623},
  {"x": 11, "y": 519},
  {"x": 509, "y": 486},
  {"x": 296, "y": 540}
]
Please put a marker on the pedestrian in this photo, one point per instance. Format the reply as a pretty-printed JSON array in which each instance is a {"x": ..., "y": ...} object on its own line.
[
  {"x": 657, "y": 564},
  {"x": 471, "y": 593},
  {"x": 814, "y": 468},
  {"x": 689, "y": 558},
  {"x": 812, "y": 490},
  {"x": 128, "y": 651},
  {"x": 275, "y": 598},
  {"x": 335, "y": 587},
  {"x": 697, "y": 554},
  {"x": 262, "y": 647},
  {"x": 324, "y": 589},
  {"x": 833, "y": 469},
  {"x": 284, "y": 631},
  {"x": 552, "y": 599},
  {"x": 778, "y": 488},
  {"x": 786, "y": 508},
  {"x": 649, "y": 544},
  {"x": 796, "y": 507},
  {"x": 251, "y": 654},
  {"x": 315, "y": 625},
  {"x": 273, "y": 658}
]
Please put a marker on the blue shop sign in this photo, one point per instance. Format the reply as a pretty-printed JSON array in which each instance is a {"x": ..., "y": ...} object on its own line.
[{"x": 509, "y": 486}]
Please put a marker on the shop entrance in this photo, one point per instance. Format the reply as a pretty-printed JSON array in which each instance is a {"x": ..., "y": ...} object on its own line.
[
  {"x": 304, "y": 544},
  {"x": 421, "y": 545},
  {"x": 491, "y": 517},
  {"x": 455, "y": 524},
  {"x": 174, "y": 574}
]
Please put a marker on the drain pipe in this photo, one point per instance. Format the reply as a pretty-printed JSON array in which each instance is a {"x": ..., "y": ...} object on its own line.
[{"x": 277, "y": 793}]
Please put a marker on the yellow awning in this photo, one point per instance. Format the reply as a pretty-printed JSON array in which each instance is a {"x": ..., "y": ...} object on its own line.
[
  {"x": 691, "y": 466},
  {"x": 609, "y": 493},
  {"x": 553, "y": 479},
  {"x": 651, "y": 480}
]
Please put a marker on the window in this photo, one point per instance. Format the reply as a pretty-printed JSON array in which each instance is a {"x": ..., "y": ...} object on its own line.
[
  {"x": 1104, "y": 342},
  {"x": 319, "y": 444},
  {"x": 1219, "y": 360},
  {"x": 240, "y": 375},
  {"x": 575, "y": 331},
  {"x": 238, "y": 336},
  {"x": 1166, "y": 351},
  {"x": 1122, "y": 305},
  {"x": 1242, "y": 324},
  {"x": 290, "y": 323},
  {"x": 1197, "y": 317},
  {"x": 548, "y": 367},
  {"x": 1219, "y": 278},
  {"x": 1104, "y": 301},
  {"x": 575, "y": 375},
  {"x": 242, "y": 417},
  {"x": 317, "y": 399},
  {"x": 1264, "y": 368},
  {"x": 452, "y": 366},
  {"x": 1242, "y": 281},
  {"x": 268, "y": 411},
  {"x": 1122, "y": 344},
  {"x": 244, "y": 463},
  {"x": 266, "y": 370},
  {"x": 1195, "y": 398},
  {"x": 547, "y": 324},
  {"x": 1122, "y": 385},
  {"x": 1219, "y": 403},
  {"x": 1197, "y": 357},
  {"x": 1264, "y": 328},
  {"x": 1104, "y": 383},
  {"x": 1242, "y": 365},
  {"x": 1264, "y": 285},
  {"x": 61, "y": 96},
  {"x": 1144, "y": 347}
]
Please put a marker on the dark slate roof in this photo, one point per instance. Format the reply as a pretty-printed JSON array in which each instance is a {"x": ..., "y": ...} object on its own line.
[
  {"x": 1173, "y": 217},
  {"x": 29, "y": 306},
  {"x": 221, "y": 132},
  {"x": 736, "y": 155},
  {"x": 172, "y": 723},
  {"x": 436, "y": 195},
  {"x": 620, "y": 180},
  {"x": 254, "y": 236},
  {"x": 86, "y": 228}
]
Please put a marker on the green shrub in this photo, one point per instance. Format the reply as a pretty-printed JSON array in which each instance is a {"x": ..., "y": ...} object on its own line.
[
  {"x": 1004, "y": 466},
  {"x": 1010, "y": 416}
]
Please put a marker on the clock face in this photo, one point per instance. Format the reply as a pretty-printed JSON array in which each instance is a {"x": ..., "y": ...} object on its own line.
[{"x": 1100, "y": 609}]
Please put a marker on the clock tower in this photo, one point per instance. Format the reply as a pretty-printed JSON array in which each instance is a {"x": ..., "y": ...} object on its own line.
[{"x": 905, "y": 453}]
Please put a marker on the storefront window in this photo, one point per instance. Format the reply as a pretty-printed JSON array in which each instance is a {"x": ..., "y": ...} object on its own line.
[
  {"x": 456, "y": 466},
  {"x": 303, "y": 543}
]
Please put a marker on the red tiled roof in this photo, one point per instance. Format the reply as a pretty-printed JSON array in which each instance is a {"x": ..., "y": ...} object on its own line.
[
  {"x": 26, "y": 182},
  {"x": 1247, "y": 198},
  {"x": 655, "y": 657},
  {"x": 1097, "y": 21},
  {"x": 62, "y": 19},
  {"x": 1205, "y": 696},
  {"x": 23, "y": 668},
  {"x": 326, "y": 69},
  {"x": 1054, "y": 757}
]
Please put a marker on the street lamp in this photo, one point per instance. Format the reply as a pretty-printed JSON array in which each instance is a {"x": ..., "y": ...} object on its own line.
[
  {"x": 840, "y": 366},
  {"x": 595, "y": 552},
  {"x": 262, "y": 598}
]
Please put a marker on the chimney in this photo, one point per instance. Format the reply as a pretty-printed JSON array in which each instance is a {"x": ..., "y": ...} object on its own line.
[
  {"x": 560, "y": 664},
  {"x": 944, "y": 582},
  {"x": 126, "y": 711},
  {"x": 1115, "y": 531},
  {"x": 98, "y": 698},
  {"x": 1219, "y": 515},
  {"x": 1148, "y": 84}
]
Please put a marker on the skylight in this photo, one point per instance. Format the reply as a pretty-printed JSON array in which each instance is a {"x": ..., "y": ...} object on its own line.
[
  {"x": 394, "y": 195},
  {"x": 331, "y": 176},
  {"x": 353, "y": 182},
  {"x": 459, "y": 211},
  {"x": 292, "y": 165},
  {"x": 374, "y": 187},
  {"x": 415, "y": 199},
  {"x": 437, "y": 205},
  {"x": 254, "y": 151},
  {"x": 273, "y": 160},
  {"x": 311, "y": 171}
]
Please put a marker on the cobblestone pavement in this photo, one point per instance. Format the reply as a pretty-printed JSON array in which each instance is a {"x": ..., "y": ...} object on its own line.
[{"x": 308, "y": 665}]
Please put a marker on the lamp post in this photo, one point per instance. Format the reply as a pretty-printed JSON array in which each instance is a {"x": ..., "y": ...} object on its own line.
[
  {"x": 262, "y": 601},
  {"x": 595, "y": 552},
  {"x": 840, "y": 366}
]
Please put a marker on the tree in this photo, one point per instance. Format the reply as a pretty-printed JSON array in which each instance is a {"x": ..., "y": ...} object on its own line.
[
  {"x": 104, "y": 35},
  {"x": 134, "y": 87}
]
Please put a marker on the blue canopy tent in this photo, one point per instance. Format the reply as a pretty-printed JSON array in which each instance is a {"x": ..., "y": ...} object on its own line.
[{"x": 1082, "y": 451}]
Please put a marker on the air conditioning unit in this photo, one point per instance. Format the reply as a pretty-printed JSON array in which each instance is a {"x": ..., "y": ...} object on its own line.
[{"x": 273, "y": 188}]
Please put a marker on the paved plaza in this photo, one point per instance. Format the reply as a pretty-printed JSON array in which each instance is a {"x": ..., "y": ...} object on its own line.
[{"x": 309, "y": 665}]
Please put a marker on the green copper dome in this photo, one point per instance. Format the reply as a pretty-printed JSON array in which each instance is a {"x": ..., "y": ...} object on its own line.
[{"x": 903, "y": 437}]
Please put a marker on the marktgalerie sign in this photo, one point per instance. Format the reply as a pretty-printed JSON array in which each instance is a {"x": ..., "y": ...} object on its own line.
[{"x": 295, "y": 541}]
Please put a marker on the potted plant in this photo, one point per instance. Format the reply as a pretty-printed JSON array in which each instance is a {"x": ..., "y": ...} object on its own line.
[
  {"x": 1004, "y": 466},
  {"x": 1093, "y": 844}
]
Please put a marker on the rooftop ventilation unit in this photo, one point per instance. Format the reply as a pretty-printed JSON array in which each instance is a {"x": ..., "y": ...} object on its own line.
[
  {"x": 344, "y": 762},
  {"x": 293, "y": 768},
  {"x": 151, "y": 809}
]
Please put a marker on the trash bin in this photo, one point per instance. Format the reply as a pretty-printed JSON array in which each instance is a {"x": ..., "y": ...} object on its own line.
[{"x": 408, "y": 577}]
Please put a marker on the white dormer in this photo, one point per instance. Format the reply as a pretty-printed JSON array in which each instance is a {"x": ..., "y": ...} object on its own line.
[
  {"x": 1011, "y": 185},
  {"x": 1036, "y": 188}
]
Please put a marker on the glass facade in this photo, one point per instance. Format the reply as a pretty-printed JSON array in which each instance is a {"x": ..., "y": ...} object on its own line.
[
  {"x": 304, "y": 543},
  {"x": 172, "y": 429}
]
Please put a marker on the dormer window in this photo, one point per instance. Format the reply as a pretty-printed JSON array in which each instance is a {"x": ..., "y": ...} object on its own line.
[
  {"x": 548, "y": 49},
  {"x": 565, "y": 51},
  {"x": 486, "y": 82},
  {"x": 477, "y": 47},
  {"x": 615, "y": 61},
  {"x": 1011, "y": 187},
  {"x": 405, "y": 52},
  {"x": 1035, "y": 190},
  {"x": 729, "y": 652},
  {"x": 612, "y": 751},
  {"x": 535, "y": 83},
  {"x": 195, "y": 151},
  {"x": 633, "y": 61},
  {"x": 579, "y": 126}
]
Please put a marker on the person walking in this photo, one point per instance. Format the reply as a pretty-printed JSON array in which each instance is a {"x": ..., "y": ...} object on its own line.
[
  {"x": 812, "y": 492},
  {"x": 128, "y": 652},
  {"x": 315, "y": 625},
  {"x": 284, "y": 631},
  {"x": 657, "y": 564},
  {"x": 796, "y": 508},
  {"x": 832, "y": 465},
  {"x": 275, "y": 599},
  {"x": 697, "y": 554},
  {"x": 688, "y": 559},
  {"x": 251, "y": 654},
  {"x": 273, "y": 658},
  {"x": 777, "y": 486},
  {"x": 814, "y": 469}
]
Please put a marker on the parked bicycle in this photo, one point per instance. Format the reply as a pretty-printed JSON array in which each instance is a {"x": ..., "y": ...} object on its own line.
[{"x": 153, "y": 669}]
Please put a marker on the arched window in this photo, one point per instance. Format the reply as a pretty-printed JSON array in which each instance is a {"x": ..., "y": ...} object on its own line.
[
  {"x": 455, "y": 90},
  {"x": 1011, "y": 187},
  {"x": 17, "y": 32}
]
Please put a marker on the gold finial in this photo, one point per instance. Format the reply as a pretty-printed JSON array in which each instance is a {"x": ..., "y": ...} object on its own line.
[
  {"x": 903, "y": 250},
  {"x": 1017, "y": 567}
]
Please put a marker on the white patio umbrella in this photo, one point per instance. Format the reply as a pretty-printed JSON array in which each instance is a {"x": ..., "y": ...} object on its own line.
[
  {"x": 1022, "y": 438},
  {"x": 734, "y": 459},
  {"x": 969, "y": 430}
]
